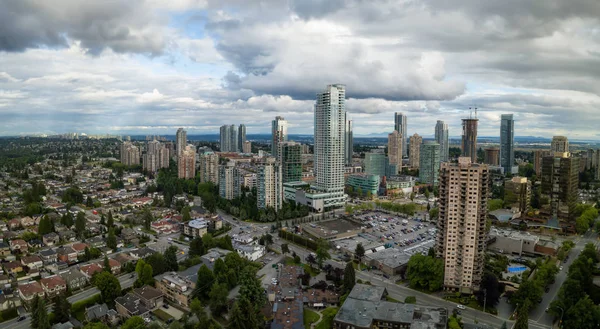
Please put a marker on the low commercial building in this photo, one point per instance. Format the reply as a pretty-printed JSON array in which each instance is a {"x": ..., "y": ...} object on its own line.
[
  {"x": 175, "y": 288},
  {"x": 514, "y": 242},
  {"x": 366, "y": 308},
  {"x": 364, "y": 184}
]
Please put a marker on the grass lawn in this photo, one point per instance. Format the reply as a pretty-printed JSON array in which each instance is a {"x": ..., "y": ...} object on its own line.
[
  {"x": 9, "y": 314},
  {"x": 162, "y": 315},
  {"x": 328, "y": 315},
  {"x": 390, "y": 299},
  {"x": 313, "y": 272},
  {"x": 362, "y": 266},
  {"x": 289, "y": 261},
  {"x": 310, "y": 317}
]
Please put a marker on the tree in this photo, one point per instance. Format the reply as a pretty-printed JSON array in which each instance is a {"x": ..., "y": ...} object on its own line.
[
  {"x": 218, "y": 298},
  {"x": 67, "y": 219},
  {"x": 111, "y": 239},
  {"x": 237, "y": 320},
  {"x": 96, "y": 325},
  {"x": 205, "y": 281},
  {"x": 425, "y": 272},
  {"x": 157, "y": 262},
  {"x": 107, "y": 264},
  {"x": 251, "y": 288},
  {"x": 196, "y": 247},
  {"x": 35, "y": 304},
  {"x": 109, "y": 286},
  {"x": 39, "y": 314},
  {"x": 310, "y": 259},
  {"x": 410, "y": 300},
  {"x": 171, "y": 258},
  {"x": 110, "y": 221},
  {"x": 148, "y": 218},
  {"x": 492, "y": 293},
  {"x": 285, "y": 249},
  {"x": 584, "y": 314},
  {"x": 495, "y": 204},
  {"x": 62, "y": 309},
  {"x": 528, "y": 290},
  {"x": 322, "y": 253},
  {"x": 359, "y": 252},
  {"x": 80, "y": 224},
  {"x": 196, "y": 307},
  {"x": 144, "y": 273},
  {"x": 134, "y": 322},
  {"x": 185, "y": 213},
  {"x": 45, "y": 226},
  {"x": 523, "y": 315},
  {"x": 349, "y": 277},
  {"x": 454, "y": 323}
]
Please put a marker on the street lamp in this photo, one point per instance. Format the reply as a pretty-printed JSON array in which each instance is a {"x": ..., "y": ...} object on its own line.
[{"x": 562, "y": 312}]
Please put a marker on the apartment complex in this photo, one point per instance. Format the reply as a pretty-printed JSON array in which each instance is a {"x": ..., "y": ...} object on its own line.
[
  {"x": 186, "y": 164},
  {"x": 441, "y": 137},
  {"x": 469, "y": 139},
  {"x": 269, "y": 184},
  {"x": 209, "y": 168},
  {"x": 130, "y": 154},
  {"x": 395, "y": 145},
  {"x": 247, "y": 147},
  {"x": 559, "y": 144},
  {"x": 461, "y": 240},
  {"x": 376, "y": 163},
  {"x": 176, "y": 288},
  {"x": 517, "y": 193},
  {"x": 241, "y": 136},
  {"x": 560, "y": 182},
  {"x": 278, "y": 134},
  {"x": 415, "y": 151},
  {"x": 349, "y": 146},
  {"x": 291, "y": 161},
  {"x": 507, "y": 142},
  {"x": 400, "y": 127},
  {"x": 429, "y": 165},
  {"x": 229, "y": 181},
  {"x": 157, "y": 156},
  {"x": 491, "y": 156},
  {"x": 228, "y": 140},
  {"x": 180, "y": 141}
]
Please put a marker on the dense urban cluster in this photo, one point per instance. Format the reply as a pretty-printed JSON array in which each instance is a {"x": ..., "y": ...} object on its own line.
[{"x": 157, "y": 232}]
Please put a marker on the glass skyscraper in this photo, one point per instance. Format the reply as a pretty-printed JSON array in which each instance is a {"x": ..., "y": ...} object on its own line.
[
  {"x": 441, "y": 137},
  {"x": 507, "y": 143},
  {"x": 400, "y": 126}
]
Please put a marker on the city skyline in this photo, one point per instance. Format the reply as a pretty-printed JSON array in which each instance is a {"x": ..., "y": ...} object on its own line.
[{"x": 196, "y": 64}]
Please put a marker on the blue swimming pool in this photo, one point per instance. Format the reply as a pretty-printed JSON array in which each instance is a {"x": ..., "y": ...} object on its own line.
[{"x": 515, "y": 269}]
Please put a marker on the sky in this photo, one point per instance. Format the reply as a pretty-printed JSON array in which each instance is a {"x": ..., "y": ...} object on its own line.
[{"x": 149, "y": 67}]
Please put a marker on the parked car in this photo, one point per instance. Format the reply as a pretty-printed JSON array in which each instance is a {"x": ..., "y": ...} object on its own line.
[{"x": 460, "y": 307}]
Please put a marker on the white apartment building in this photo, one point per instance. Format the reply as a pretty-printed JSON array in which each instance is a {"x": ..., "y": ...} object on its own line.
[
  {"x": 209, "y": 168},
  {"x": 269, "y": 185}
]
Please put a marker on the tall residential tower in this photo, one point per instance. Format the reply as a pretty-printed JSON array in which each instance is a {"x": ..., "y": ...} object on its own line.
[
  {"x": 507, "y": 143},
  {"x": 395, "y": 146},
  {"x": 469, "y": 138},
  {"x": 241, "y": 137},
  {"x": 279, "y": 134},
  {"x": 349, "y": 147},
  {"x": 181, "y": 141},
  {"x": 441, "y": 137},
  {"x": 400, "y": 126}
]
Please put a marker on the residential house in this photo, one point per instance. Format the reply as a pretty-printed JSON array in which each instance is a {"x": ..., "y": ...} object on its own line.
[
  {"x": 18, "y": 246},
  {"x": 49, "y": 256},
  {"x": 250, "y": 251},
  {"x": 28, "y": 291},
  {"x": 35, "y": 243},
  {"x": 175, "y": 288},
  {"x": 14, "y": 224},
  {"x": 123, "y": 258},
  {"x": 96, "y": 242},
  {"x": 7, "y": 302},
  {"x": 129, "y": 236},
  {"x": 212, "y": 255},
  {"x": 90, "y": 269},
  {"x": 79, "y": 248},
  {"x": 27, "y": 221},
  {"x": 66, "y": 254},
  {"x": 3, "y": 226},
  {"x": 32, "y": 262},
  {"x": 13, "y": 267},
  {"x": 74, "y": 279},
  {"x": 51, "y": 239},
  {"x": 151, "y": 297},
  {"x": 53, "y": 285},
  {"x": 130, "y": 305},
  {"x": 97, "y": 312},
  {"x": 67, "y": 235},
  {"x": 166, "y": 226},
  {"x": 115, "y": 266},
  {"x": 142, "y": 252},
  {"x": 4, "y": 249}
]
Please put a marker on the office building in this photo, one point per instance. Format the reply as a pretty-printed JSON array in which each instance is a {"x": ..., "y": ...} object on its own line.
[
  {"x": 364, "y": 184},
  {"x": 395, "y": 145},
  {"x": 492, "y": 156},
  {"x": 560, "y": 144},
  {"x": 186, "y": 164},
  {"x": 269, "y": 184},
  {"x": 429, "y": 166},
  {"x": 209, "y": 168},
  {"x": 441, "y": 137},
  {"x": 330, "y": 115},
  {"x": 517, "y": 193},
  {"x": 247, "y": 147},
  {"x": 349, "y": 143},
  {"x": 507, "y": 143},
  {"x": 229, "y": 138},
  {"x": 241, "y": 138},
  {"x": 279, "y": 134},
  {"x": 156, "y": 157},
  {"x": 461, "y": 239},
  {"x": 469, "y": 138},
  {"x": 415, "y": 150},
  {"x": 180, "y": 141},
  {"x": 400, "y": 127},
  {"x": 376, "y": 163},
  {"x": 560, "y": 182},
  {"x": 291, "y": 161},
  {"x": 229, "y": 181},
  {"x": 130, "y": 154}
]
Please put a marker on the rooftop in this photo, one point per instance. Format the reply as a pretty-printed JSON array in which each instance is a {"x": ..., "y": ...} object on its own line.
[{"x": 198, "y": 223}]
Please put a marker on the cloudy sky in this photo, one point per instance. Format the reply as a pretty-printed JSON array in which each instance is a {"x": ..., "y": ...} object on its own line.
[{"x": 148, "y": 67}]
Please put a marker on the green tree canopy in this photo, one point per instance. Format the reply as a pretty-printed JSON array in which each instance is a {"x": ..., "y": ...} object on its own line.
[
  {"x": 109, "y": 286},
  {"x": 134, "y": 322},
  {"x": 425, "y": 272}
]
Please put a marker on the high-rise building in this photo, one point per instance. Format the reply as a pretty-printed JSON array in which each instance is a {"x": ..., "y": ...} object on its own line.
[
  {"x": 395, "y": 145},
  {"x": 591, "y": 159},
  {"x": 269, "y": 187},
  {"x": 469, "y": 138},
  {"x": 517, "y": 193},
  {"x": 279, "y": 134},
  {"x": 491, "y": 156},
  {"x": 441, "y": 137},
  {"x": 376, "y": 163},
  {"x": 507, "y": 143},
  {"x": 156, "y": 157},
  {"x": 186, "y": 163},
  {"x": 330, "y": 115},
  {"x": 560, "y": 182},
  {"x": 429, "y": 166},
  {"x": 461, "y": 236},
  {"x": 241, "y": 138},
  {"x": 130, "y": 154},
  {"x": 349, "y": 143},
  {"x": 229, "y": 181},
  {"x": 247, "y": 147},
  {"x": 400, "y": 127},
  {"x": 229, "y": 138},
  {"x": 560, "y": 144},
  {"x": 415, "y": 150},
  {"x": 538, "y": 155},
  {"x": 597, "y": 166},
  {"x": 291, "y": 161},
  {"x": 209, "y": 168},
  {"x": 180, "y": 141}
]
